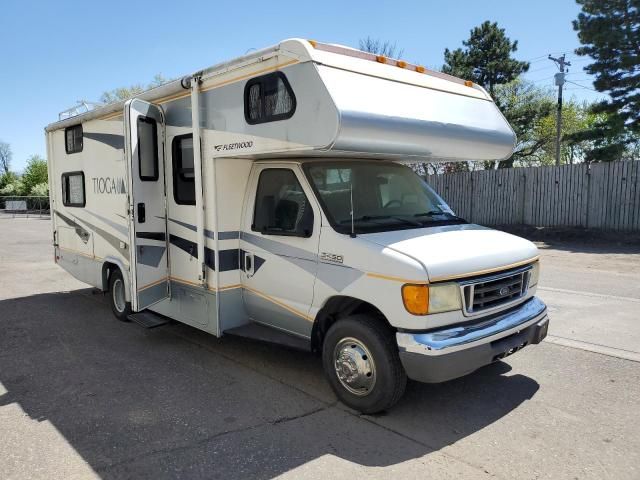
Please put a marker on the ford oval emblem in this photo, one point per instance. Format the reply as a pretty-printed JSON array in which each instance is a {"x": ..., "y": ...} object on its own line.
[{"x": 504, "y": 291}]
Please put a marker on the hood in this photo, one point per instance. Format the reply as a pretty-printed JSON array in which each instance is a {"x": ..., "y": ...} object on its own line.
[{"x": 458, "y": 250}]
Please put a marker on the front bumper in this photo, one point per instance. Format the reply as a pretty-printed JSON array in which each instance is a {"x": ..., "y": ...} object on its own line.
[{"x": 440, "y": 355}]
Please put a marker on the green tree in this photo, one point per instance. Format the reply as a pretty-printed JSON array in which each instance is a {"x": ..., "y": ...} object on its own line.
[
  {"x": 576, "y": 117},
  {"x": 35, "y": 173},
  {"x": 40, "y": 190},
  {"x": 7, "y": 178},
  {"x": 606, "y": 135},
  {"x": 610, "y": 34},
  {"x": 13, "y": 188},
  {"x": 525, "y": 106},
  {"x": 124, "y": 93},
  {"x": 486, "y": 58}
]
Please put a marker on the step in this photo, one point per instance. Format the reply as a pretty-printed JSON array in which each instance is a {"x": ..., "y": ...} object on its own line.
[{"x": 148, "y": 319}]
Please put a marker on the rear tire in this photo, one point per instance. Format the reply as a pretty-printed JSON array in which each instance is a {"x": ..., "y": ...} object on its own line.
[
  {"x": 117, "y": 297},
  {"x": 361, "y": 361}
]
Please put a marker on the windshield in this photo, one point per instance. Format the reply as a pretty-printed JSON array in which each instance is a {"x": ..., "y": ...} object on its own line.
[{"x": 386, "y": 196}]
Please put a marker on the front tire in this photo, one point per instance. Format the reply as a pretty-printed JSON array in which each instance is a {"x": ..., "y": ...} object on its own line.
[
  {"x": 117, "y": 297},
  {"x": 361, "y": 361}
]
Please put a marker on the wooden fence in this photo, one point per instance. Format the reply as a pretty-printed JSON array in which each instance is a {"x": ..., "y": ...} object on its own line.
[{"x": 602, "y": 196}]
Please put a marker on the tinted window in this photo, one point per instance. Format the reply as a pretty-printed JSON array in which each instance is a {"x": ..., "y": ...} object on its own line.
[
  {"x": 73, "y": 139},
  {"x": 184, "y": 185},
  {"x": 281, "y": 206},
  {"x": 148, "y": 148},
  {"x": 268, "y": 98},
  {"x": 73, "y": 189}
]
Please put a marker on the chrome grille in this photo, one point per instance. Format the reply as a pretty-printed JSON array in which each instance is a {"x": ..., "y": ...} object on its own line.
[{"x": 495, "y": 291}]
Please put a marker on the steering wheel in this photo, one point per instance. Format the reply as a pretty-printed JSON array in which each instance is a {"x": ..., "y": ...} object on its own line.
[{"x": 391, "y": 202}]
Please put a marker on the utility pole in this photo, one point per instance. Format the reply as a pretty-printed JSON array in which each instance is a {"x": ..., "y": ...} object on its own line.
[{"x": 559, "y": 79}]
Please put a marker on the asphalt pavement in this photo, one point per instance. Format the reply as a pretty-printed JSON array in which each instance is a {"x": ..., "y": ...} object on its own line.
[{"x": 85, "y": 396}]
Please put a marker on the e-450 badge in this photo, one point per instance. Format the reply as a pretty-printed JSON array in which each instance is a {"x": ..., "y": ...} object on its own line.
[{"x": 331, "y": 257}]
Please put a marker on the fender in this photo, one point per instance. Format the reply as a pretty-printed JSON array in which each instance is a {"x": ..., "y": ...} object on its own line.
[{"x": 125, "y": 275}]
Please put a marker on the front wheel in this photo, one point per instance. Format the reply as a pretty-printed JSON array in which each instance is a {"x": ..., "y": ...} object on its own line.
[
  {"x": 118, "y": 298},
  {"x": 361, "y": 361}
]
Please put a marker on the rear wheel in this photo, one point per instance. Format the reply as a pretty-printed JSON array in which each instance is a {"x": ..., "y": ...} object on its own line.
[
  {"x": 361, "y": 361},
  {"x": 118, "y": 297}
]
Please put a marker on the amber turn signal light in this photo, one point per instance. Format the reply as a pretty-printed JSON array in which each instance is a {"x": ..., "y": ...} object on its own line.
[{"x": 416, "y": 298}]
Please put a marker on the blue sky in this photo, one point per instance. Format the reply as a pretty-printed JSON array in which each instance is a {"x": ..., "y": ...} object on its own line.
[{"x": 53, "y": 53}]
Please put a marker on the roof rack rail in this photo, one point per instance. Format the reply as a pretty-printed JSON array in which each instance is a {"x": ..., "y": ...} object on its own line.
[{"x": 83, "y": 106}]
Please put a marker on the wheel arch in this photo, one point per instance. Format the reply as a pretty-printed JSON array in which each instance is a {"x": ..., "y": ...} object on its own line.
[
  {"x": 337, "y": 307},
  {"x": 109, "y": 265}
]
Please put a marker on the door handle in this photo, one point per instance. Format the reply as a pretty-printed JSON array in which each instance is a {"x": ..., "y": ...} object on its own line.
[
  {"x": 141, "y": 213},
  {"x": 248, "y": 263}
]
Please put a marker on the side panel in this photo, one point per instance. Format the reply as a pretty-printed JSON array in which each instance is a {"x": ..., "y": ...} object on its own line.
[
  {"x": 232, "y": 176},
  {"x": 85, "y": 236}
]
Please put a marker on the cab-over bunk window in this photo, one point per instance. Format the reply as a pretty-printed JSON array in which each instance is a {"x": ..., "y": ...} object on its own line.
[{"x": 268, "y": 98}]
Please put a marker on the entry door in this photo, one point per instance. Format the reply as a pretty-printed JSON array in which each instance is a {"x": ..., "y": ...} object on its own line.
[
  {"x": 279, "y": 249},
  {"x": 144, "y": 150}
]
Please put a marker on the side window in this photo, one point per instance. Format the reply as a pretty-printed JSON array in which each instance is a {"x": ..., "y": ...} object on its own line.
[
  {"x": 73, "y": 194},
  {"x": 281, "y": 206},
  {"x": 147, "y": 149},
  {"x": 73, "y": 139},
  {"x": 268, "y": 98},
  {"x": 184, "y": 185}
]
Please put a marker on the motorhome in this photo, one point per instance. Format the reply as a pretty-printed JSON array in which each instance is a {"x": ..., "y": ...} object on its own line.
[{"x": 270, "y": 197}]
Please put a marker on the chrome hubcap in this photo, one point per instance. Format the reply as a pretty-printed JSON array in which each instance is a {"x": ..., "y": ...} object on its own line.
[
  {"x": 119, "y": 299},
  {"x": 354, "y": 366}
]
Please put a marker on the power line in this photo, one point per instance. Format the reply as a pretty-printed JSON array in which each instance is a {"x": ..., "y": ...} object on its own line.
[
  {"x": 540, "y": 69},
  {"x": 546, "y": 55},
  {"x": 583, "y": 86}
]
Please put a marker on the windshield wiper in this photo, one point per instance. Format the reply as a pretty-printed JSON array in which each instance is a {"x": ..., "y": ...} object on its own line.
[
  {"x": 434, "y": 213},
  {"x": 372, "y": 218}
]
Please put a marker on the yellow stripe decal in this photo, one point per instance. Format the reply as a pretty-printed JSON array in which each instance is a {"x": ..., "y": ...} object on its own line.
[
  {"x": 488, "y": 270},
  {"x": 396, "y": 279},
  {"x": 153, "y": 284},
  {"x": 283, "y": 305},
  {"x": 92, "y": 257}
]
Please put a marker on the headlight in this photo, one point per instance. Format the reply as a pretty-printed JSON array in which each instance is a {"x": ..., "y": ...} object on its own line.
[
  {"x": 535, "y": 274},
  {"x": 444, "y": 297},
  {"x": 425, "y": 299}
]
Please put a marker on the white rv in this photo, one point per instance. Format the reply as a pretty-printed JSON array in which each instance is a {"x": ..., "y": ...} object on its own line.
[{"x": 267, "y": 197}]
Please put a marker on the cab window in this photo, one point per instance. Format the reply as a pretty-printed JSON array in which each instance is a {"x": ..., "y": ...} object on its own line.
[{"x": 281, "y": 206}]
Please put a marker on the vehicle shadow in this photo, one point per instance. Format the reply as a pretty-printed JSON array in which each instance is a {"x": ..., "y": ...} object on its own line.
[{"x": 175, "y": 401}]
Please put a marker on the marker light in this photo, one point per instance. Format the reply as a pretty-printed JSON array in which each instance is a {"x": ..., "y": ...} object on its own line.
[
  {"x": 351, "y": 52},
  {"x": 416, "y": 298},
  {"x": 435, "y": 298}
]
